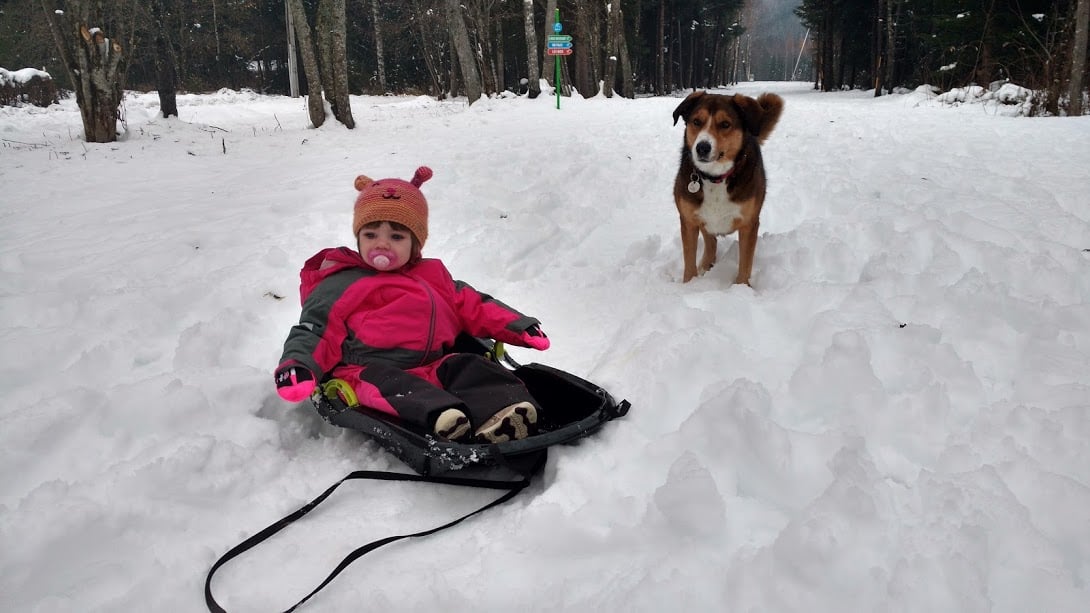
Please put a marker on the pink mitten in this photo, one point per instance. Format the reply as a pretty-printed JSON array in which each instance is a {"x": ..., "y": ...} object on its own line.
[
  {"x": 534, "y": 337},
  {"x": 294, "y": 382}
]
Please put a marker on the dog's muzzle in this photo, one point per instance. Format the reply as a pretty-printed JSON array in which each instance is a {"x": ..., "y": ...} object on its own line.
[{"x": 703, "y": 150}]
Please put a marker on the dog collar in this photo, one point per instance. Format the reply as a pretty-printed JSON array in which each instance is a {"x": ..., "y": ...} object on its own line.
[{"x": 698, "y": 177}]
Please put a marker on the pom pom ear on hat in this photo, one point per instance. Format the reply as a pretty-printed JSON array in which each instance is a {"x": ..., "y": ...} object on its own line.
[
  {"x": 393, "y": 200},
  {"x": 422, "y": 174},
  {"x": 363, "y": 182}
]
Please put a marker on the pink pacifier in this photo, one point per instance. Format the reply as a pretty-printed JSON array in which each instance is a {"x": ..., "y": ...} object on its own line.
[{"x": 382, "y": 259}]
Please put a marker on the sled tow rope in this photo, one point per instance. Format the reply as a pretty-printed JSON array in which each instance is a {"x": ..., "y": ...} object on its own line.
[{"x": 512, "y": 487}]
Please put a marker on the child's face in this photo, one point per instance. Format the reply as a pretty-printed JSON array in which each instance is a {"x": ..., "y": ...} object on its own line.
[{"x": 384, "y": 247}]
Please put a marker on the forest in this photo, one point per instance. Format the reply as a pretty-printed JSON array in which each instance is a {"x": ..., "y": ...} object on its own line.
[
  {"x": 406, "y": 46},
  {"x": 885, "y": 44},
  {"x": 445, "y": 48}
]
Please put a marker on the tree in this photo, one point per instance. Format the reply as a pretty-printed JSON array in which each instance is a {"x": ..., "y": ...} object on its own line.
[
  {"x": 315, "y": 101},
  {"x": 583, "y": 30},
  {"x": 166, "y": 75},
  {"x": 95, "y": 62},
  {"x": 338, "y": 69},
  {"x": 660, "y": 51},
  {"x": 616, "y": 50},
  {"x": 325, "y": 60},
  {"x": 460, "y": 39},
  {"x": 380, "y": 57},
  {"x": 1078, "y": 59},
  {"x": 610, "y": 73},
  {"x": 621, "y": 47},
  {"x": 422, "y": 46},
  {"x": 532, "y": 70}
]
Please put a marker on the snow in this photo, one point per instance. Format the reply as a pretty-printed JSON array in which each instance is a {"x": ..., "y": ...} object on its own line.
[
  {"x": 21, "y": 76},
  {"x": 895, "y": 417},
  {"x": 1008, "y": 98}
]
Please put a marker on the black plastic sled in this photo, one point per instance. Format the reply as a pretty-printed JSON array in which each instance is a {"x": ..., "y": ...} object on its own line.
[{"x": 571, "y": 409}]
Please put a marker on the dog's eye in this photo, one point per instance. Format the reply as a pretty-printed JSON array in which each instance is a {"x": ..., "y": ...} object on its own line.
[
  {"x": 698, "y": 123},
  {"x": 724, "y": 125}
]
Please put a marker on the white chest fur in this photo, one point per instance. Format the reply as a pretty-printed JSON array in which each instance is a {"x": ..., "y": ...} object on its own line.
[{"x": 718, "y": 212}]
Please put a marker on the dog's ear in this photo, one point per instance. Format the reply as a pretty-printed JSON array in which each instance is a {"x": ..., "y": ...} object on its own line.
[
  {"x": 687, "y": 105},
  {"x": 760, "y": 115},
  {"x": 771, "y": 109},
  {"x": 750, "y": 112}
]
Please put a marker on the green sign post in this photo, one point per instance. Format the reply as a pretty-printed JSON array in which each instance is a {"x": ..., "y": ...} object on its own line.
[{"x": 557, "y": 45}]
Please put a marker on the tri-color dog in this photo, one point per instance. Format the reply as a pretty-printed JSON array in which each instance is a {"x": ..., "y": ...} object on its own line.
[{"x": 720, "y": 184}]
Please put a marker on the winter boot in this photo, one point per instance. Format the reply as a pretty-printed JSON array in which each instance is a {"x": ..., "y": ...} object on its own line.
[
  {"x": 512, "y": 423},
  {"x": 451, "y": 425}
]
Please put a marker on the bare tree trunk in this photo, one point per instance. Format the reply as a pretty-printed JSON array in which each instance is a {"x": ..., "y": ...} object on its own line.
[
  {"x": 610, "y": 71},
  {"x": 216, "y": 30},
  {"x": 487, "y": 63},
  {"x": 454, "y": 80},
  {"x": 380, "y": 57},
  {"x": 1078, "y": 58},
  {"x": 166, "y": 77},
  {"x": 592, "y": 24},
  {"x": 660, "y": 59},
  {"x": 731, "y": 62},
  {"x": 842, "y": 60},
  {"x": 293, "y": 53},
  {"x": 628, "y": 88},
  {"x": 459, "y": 35},
  {"x": 315, "y": 103},
  {"x": 342, "y": 106},
  {"x": 891, "y": 41},
  {"x": 323, "y": 24},
  {"x": 878, "y": 66},
  {"x": 96, "y": 64},
  {"x": 675, "y": 74},
  {"x": 325, "y": 60},
  {"x": 548, "y": 63},
  {"x": 689, "y": 74},
  {"x": 533, "y": 72},
  {"x": 498, "y": 63},
  {"x": 827, "y": 78},
  {"x": 478, "y": 19},
  {"x": 584, "y": 80}
]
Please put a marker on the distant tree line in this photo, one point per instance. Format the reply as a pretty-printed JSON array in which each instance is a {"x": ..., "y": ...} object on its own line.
[
  {"x": 883, "y": 44},
  {"x": 442, "y": 48},
  {"x": 411, "y": 46}
]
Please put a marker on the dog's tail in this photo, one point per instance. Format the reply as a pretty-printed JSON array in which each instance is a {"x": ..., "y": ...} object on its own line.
[{"x": 771, "y": 108}]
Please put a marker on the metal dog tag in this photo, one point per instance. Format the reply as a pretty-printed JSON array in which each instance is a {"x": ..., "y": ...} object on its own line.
[{"x": 694, "y": 187}]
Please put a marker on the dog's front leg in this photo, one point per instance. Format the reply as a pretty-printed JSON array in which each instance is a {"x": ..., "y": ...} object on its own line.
[
  {"x": 688, "y": 250},
  {"x": 711, "y": 246},
  {"x": 747, "y": 246}
]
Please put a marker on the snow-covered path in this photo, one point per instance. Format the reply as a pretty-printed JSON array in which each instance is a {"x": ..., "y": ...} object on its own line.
[{"x": 896, "y": 417}]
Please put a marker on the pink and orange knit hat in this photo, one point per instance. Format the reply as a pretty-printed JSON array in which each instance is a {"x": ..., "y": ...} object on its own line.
[{"x": 393, "y": 200}]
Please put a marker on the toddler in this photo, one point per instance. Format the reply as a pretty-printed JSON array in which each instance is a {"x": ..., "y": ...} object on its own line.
[{"x": 383, "y": 318}]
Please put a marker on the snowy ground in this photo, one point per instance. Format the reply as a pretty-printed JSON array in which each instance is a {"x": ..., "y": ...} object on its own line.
[{"x": 896, "y": 417}]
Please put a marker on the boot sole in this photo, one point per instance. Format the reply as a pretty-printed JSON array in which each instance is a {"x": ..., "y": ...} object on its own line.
[
  {"x": 513, "y": 426},
  {"x": 454, "y": 431}
]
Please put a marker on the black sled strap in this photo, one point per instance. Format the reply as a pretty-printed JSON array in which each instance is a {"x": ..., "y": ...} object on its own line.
[{"x": 512, "y": 487}]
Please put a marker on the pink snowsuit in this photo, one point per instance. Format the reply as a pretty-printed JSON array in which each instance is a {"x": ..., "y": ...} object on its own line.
[{"x": 388, "y": 335}]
